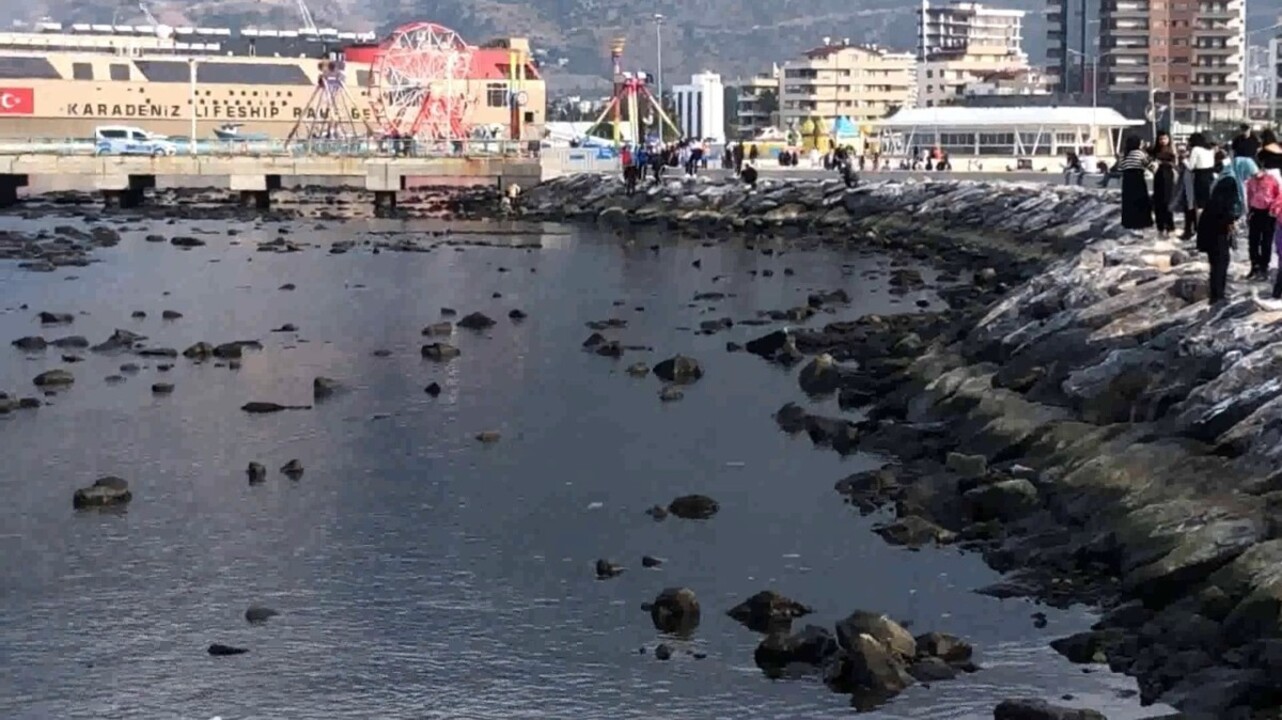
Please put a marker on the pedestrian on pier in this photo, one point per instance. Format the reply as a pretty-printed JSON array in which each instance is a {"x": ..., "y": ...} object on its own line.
[
  {"x": 1137, "y": 206},
  {"x": 1163, "y": 160},
  {"x": 1216, "y": 224}
]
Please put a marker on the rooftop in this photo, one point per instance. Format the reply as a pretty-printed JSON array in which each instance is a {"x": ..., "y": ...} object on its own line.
[{"x": 1007, "y": 117}]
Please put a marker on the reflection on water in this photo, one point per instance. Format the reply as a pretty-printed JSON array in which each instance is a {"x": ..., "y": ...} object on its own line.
[{"x": 418, "y": 572}]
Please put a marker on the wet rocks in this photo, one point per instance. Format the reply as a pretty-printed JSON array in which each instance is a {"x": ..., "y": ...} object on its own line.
[
  {"x": 675, "y": 610},
  {"x": 780, "y": 651},
  {"x": 694, "y": 507},
  {"x": 324, "y": 388},
  {"x": 54, "y": 379},
  {"x": 1035, "y": 709},
  {"x": 55, "y": 318},
  {"x": 671, "y": 393},
  {"x": 162, "y": 388},
  {"x": 292, "y": 469},
  {"x": 199, "y": 351},
  {"x": 31, "y": 343},
  {"x": 439, "y": 351},
  {"x": 119, "y": 340},
  {"x": 639, "y": 369},
  {"x": 476, "y": 321},
  {"x": 71, "y": 342},
  {"x": 488, "y": 437},
  {"x": 170, "y": 315},
  {"x": 606, "y": 569},
  {"x": 186, "y": 241},
  {"x": 820, "y": 376},
  {"x": 440, "y": 328},
  {"x": 869, "y": 671},
  {"x": 914, "y": 531},
  {"x": 433, "y": 389},
  {"x": 105, "y": 492},
  {"x": 767, "y": 611},
  {"x": 220, "y": 650},
  {"x": 649, "y": 561},
  {"x": 679, "y": 369},
  {"x": 257, "y": 614},
  {"x": 256, "y": 472},
  {"x": 663, "y": 651},
  {"x": 517, "y": 314},
  {"x": 257, "y": 407},
  {"x": 880, "y": 628}
]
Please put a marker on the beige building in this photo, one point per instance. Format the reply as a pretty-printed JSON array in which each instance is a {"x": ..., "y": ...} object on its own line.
[
  {"x": 757, "y": 103},
  {"x": 1189, "y": 53},
  {"x": 1022, "y": 82},
  {"x": 835, "y": 80},
  {"x": 944, "y": 78},
  {"x": 958, "y": 26}
]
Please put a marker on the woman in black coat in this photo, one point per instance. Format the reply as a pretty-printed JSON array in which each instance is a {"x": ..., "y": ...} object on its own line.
[
  {"x": 1137, "y": 206},
  {"x": 1216, "y": 223},
  {"x": 1162, "y": 158}
]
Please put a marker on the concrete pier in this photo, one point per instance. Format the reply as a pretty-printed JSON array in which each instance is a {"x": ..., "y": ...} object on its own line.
[{"x": 124, "y": 179}]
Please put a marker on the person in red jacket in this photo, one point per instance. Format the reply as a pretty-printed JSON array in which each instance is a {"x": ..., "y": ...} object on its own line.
[{"x": 1262, "y": 192}]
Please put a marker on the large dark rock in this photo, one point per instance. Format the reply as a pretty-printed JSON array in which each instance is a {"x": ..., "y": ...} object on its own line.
[
  {"x": 54, "y": 378},
  {"x": 30, "y": 343},
  {"x": 679, "y": 369},
  {"x": 104, "y": 492},
  {"x": 606, "y": 569},
  {"x": 869, "y": 671},
  {"x": 476, "y": 321},
  {"x": 675, "y": 610},
  {"x": 257, "y": 473},
  {"x": 880, "y": 628},
  {"x": 219, "y": 650},
  {"x": 820, "y": 376},
  {"x": 694, "y": 507},
  {"x": 767, "y": 611},
  {"x": 199, "y": 351},
  {"x": 256, "y": 407},
  {"x": 949, "y": 648},
  {"x": 71, "y": 342},
  {"x": 931, "y": 669},
  {"x": 119, "y": 340},
  {"x": 812, "y": 645},
  {"x": 1033, "y": 709},
  {"x": 257, "y": 614},
  {"x": 53, "y": 318},
  {"x": 323, "y": 387},
  {"x": 440, "y": 351},
  {"x": 1005, "y": 500}
]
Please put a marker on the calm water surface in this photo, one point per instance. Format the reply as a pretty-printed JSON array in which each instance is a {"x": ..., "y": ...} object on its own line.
[{"x": 419, "y": 573}]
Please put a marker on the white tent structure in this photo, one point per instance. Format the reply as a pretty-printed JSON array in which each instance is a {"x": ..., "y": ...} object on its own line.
[{"x": 1007, "y": 133}]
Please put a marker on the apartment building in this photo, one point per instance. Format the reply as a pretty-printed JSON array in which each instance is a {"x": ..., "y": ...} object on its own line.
[
  {"x": 756, "y": 103},
  {"x": 1070, "y": 38},
  {"x": 956, "y": 27},
  {"x": 700, "y": 107},
  {"x": 1188, "y": 54},
  {"x": 859, "y": 82}
]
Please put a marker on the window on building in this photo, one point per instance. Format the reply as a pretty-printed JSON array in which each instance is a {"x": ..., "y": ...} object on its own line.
[
  {"x": 496, "y": 95},
  {"x": 119, "y": 72},
  {"x": 81, "y": 71}
]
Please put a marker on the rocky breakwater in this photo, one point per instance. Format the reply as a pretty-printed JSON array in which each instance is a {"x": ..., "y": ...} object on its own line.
[{"x": 1080, "y": 414}]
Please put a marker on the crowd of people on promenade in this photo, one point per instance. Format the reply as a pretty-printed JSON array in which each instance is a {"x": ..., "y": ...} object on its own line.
[{"x": 1218, "y": 190}]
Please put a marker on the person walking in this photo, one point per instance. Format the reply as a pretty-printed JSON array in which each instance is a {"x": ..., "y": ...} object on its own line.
[
  {"x": 1162, "y": 157},
  {"x": 1262, "y": 192},
  {"x": 1215, "y": 225},
  {"x": 1270, "y": 155},
  {"x": 1202, "y": 165},
  {"x": 1073, "y": 171},
  {"x": 1137, "y": 206}
]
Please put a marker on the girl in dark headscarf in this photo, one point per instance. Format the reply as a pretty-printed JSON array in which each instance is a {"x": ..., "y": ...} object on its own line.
[
  {"x": 1163, "y": 159},
  {"x": 1216, "y": 224},
  {"x": 1137, "y": 206}
]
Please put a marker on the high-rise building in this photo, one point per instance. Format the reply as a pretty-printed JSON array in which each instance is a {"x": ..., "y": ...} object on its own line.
[
  {"x": 956, "y": 27},
  {"x": 840, "y": 80},
  {"x": 943, "y": 78},
  {"x": 1188, "y": 55},
  {"x": 1069, "y": 41},
  {"x": 756, "y": 103},
  {"x": 701, "y": 107}
]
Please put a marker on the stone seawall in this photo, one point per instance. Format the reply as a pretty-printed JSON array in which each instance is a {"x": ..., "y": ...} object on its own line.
[{"x": 1082, "y": 416}]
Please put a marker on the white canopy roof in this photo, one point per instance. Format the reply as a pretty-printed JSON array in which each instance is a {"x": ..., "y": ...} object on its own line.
[{"x": 1006, "y": 117}]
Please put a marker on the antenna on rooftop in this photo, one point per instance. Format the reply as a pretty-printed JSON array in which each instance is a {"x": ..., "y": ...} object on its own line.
[{"x": 308, "y": 22}]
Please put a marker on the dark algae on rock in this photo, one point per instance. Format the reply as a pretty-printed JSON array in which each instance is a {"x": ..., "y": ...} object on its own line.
[{"x": 1078, "y": 413}]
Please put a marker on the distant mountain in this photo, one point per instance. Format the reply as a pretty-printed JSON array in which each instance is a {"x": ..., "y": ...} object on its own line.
[{"x": 733, "y": 37}]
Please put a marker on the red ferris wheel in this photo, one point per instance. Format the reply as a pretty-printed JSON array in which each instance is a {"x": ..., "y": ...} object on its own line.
[{"x": 418, "y": 83}]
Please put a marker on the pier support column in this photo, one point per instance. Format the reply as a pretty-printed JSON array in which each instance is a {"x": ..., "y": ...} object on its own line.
[
  {"x": 124, "y": 191},
  {"x": 384, "y": 202},
  {"x": 9, "y": 185},
  {"x": 255, "y": 190}
]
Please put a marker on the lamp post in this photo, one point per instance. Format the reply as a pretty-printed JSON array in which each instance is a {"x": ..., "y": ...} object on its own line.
[
  {"x": 191, "y": 98},
  {"x": 658, "y": 44},
  {"x": 1094, "y": 60}
]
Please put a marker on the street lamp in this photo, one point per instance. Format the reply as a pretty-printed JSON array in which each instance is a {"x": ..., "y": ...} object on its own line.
[
  {"x": 191, "y": 98},
  {"x": 658, "y": 38},
  {"x": 1094, "y": 60}
]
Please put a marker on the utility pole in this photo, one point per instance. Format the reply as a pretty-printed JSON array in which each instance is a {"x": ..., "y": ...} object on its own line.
[{"x": 658, "y": 36}]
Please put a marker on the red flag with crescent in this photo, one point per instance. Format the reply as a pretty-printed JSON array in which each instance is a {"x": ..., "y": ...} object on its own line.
[{"x": 17, "y": 101}]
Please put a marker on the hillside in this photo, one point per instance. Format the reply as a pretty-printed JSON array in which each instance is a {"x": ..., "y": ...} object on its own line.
[{"x": 733, "y": 37}]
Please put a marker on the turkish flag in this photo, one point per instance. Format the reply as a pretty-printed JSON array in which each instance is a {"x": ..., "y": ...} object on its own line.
[{"x": 17, "y": 101}]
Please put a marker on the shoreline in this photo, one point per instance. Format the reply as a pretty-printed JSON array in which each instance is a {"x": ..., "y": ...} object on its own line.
[{"x": 1080, "y": 416}]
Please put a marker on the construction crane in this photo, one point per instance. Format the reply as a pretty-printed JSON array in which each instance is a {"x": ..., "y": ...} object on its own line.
[
  {"x": 147, "y": 14},
  {"x": 308, "y": 22}
]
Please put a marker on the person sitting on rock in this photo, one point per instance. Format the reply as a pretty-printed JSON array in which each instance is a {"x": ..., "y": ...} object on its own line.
[
  {"x": 1216, "y": 224},
  {"x": 749, "y": 175}
]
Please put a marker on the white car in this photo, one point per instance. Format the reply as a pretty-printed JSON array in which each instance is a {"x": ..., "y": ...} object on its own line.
[{"x": 125, "y": 140}]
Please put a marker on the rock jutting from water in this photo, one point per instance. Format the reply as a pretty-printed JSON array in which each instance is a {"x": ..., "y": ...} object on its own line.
[
  {"x": 1077, "y": 412},
  {"x": 105, "y": 492}
]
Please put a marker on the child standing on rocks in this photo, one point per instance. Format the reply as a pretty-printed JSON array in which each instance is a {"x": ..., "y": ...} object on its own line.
[{"x": 1262, "y": 191}]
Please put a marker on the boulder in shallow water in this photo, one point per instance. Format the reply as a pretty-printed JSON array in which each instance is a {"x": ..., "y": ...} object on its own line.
[
  {"x": 257, "y": 473},
  {"x": 679, "y": 369},
  {"x": 439, "y": 351},
  {"x": 820, "y": 376},
  {"x": 104, "y": 492},
  {"x": 694, "y": 507},
  {"x": 440, "y": 328},
  {"x": 476, "y": 321},
  {"x": 606, "y": 569},
  {"x": 71, "y": 342},
  {"x": 323, "y": 387},
  {"x": 199, "y": 351},
  {"x": 257, "y": 614},
  {"x": 488, "y": 436},
  {"x": 433, "y": 389},
  {"x": 868, "y": 670},
  {"x": 812, "y": 645},
  {"x": 675, "y": 610},
  {"x": 292, "y": 469},
  {"x": 879, "y": 627},
  {"x": 220, "y": 650},
  {"x": 1035, "y": 709},
  {"x": 53, "y": 318},
  {"x": 768, "y": 610},
  {"x": 54, "y": 378},
  {"x": 30, "y": 343}
]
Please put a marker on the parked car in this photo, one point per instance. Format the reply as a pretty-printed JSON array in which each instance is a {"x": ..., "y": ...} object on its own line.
[{"x": 125, "y": 140}]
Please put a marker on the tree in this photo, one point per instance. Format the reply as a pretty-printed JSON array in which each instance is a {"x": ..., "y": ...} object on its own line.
[{"x": 768, "y": 101}]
